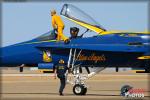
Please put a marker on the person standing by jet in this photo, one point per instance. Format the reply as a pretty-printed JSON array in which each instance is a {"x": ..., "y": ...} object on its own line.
[
  {"x": 58, "y": 25},
  {"x": 60, "y": 70}
]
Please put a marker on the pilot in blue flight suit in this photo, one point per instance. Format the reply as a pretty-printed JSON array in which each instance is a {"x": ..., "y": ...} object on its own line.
[{"x": 61, "y": 69}]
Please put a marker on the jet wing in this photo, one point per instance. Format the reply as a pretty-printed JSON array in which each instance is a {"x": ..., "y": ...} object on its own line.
[{"x": 79, "y": 17}]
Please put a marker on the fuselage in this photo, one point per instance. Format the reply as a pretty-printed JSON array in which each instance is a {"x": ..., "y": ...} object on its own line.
[{"x": 121, "y": 49}]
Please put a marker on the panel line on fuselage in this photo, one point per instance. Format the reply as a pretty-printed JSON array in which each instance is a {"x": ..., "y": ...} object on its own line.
[{"x": 36, "y": 42}]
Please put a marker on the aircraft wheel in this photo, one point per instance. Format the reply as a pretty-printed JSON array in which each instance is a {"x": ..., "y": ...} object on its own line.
[{"x": 79, "y": 89}]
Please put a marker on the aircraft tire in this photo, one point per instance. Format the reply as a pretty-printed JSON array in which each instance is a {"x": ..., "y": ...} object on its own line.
[{"x": 79, "y": 89}]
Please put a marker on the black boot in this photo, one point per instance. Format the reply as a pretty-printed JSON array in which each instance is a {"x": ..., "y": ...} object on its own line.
[{"x": 61, "y": 94}]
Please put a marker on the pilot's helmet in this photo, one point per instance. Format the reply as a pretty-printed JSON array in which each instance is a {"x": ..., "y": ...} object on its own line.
[{"x": 61, "y": 61}]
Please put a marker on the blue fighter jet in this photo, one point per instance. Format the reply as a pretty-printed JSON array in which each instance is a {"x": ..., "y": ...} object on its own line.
[{"x": 106, "y": 49}]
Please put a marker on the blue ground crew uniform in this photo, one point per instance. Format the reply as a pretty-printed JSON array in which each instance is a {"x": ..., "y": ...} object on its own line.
[{"x": 61, "y": 70}]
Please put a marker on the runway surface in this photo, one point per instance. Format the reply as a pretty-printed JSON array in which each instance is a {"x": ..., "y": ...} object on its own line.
[{"x": 104, "y": 86}]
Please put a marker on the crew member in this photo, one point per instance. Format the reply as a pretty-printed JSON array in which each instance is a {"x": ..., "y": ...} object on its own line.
[
  {"x": 60, "y": 70},
  {"x": 74, "y": 33},
  {"x": 58, "y": 25}
]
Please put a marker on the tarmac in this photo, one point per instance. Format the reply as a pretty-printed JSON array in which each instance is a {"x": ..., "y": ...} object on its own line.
[{"x": 38, "y": 86}]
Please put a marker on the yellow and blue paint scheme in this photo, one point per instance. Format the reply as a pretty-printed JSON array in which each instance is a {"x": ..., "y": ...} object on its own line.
[
  {"x": 119, "y": 49},
  {"x": 115, "y": 48}
]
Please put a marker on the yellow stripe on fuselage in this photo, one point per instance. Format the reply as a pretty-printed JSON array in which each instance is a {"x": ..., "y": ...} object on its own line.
[
  {"x": 144, "y": 57},
  {"x": 41, "y": 41},
  {"x": 118, "y": 32},
  {"x": 45, "y": 70},
  {"x": 135, "y": 71}
]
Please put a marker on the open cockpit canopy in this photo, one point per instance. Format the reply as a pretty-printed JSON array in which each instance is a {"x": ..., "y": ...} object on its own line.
[{"x": 79, "y": 17}]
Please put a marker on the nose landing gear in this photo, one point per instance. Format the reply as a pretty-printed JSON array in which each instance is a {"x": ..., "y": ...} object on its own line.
[{"x": 76, "y": 78}]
